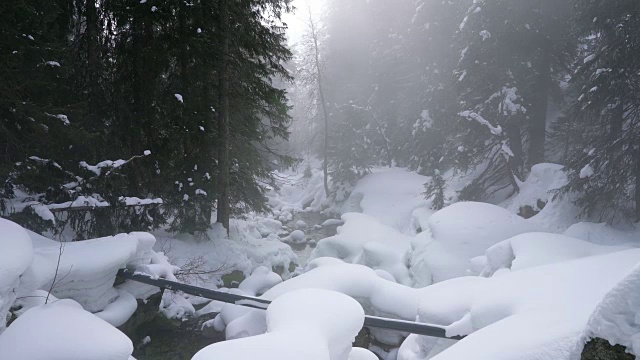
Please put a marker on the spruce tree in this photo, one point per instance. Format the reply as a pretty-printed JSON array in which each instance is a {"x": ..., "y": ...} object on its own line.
[{"x": 604, "y": 163}]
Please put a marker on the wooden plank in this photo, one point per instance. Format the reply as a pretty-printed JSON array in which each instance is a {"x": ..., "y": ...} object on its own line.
[{"x": 262, "y": 304}]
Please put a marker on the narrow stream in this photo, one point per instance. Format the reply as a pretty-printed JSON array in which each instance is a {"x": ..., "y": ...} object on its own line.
[{"x": 313, "y": 231}]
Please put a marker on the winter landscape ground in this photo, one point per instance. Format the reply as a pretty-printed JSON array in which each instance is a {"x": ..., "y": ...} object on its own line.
[{"x": 536, "y": 288}]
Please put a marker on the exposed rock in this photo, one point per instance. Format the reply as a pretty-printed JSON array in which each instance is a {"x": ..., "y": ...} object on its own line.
[{"x": 600, "y": 349}]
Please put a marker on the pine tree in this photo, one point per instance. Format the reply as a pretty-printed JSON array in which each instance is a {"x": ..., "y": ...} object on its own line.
[
  {"x": 604, "y": 165},
  {"x": 504, "y": 79}
]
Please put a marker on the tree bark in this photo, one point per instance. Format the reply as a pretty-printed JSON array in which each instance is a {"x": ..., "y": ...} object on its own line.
[
  {"x": 325, "y": 165},
  {"x": 223, "y": 121},
  {"x": 92, "y": 26},
  {"x": 537, "y": 130}
]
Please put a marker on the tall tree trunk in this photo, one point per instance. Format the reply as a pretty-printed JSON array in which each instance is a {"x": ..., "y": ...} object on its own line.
[
  {"x": 92, "y": 30},
  {"x": 325, "y": 165},
  {"x": 637, "y": 189},
  {"x": 223, "y": 121},
  {"x": 537, "y": 130}
]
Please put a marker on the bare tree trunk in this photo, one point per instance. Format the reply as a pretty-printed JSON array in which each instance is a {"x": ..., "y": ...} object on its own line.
[
  {"x": 223, "y": 121},
  {"x": 325, "y": 165},
  {"x": 637, "y": 189}
]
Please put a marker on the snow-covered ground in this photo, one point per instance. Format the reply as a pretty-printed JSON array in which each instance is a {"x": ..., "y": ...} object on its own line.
[
  {"x": 475, "y": 268},
  {"x": 531, "y": 289}
]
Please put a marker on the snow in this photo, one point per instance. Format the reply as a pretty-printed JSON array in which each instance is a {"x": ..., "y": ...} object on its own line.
[
  {"x": 119, "y": 311},
  {"x": 15, "y": 258},
  {"x": 541, "y": 180},
  {"x": 540, "y": 312},
  {"x": 332, "y": 222},
  {"x": 304, "y": 324},
  {"x": 457, "y": 234},
  {"x": 586, "y": 171},
  {"x": 86, "y": 271},
  {"x": 244, "y": 250},
  {"x": 589, "y": 58},
  {"x": 80, "y": 201},
  {"x": 52, "y": 63},
  {"x": 389, "y": 195},
  {"x": 616, "y": 317},
  {"x": 296, "y": 237},
  {"x": 364, "y": 240},
  {"x": 470, "y": 115},
  {"x": 62, "y": 330},
  {"x": 298, "y": 193},
  {"x": 535, "y": 249},
  {"x": 131, "y": 201},
  {"x": 44, "y": 213},
  {"x": 261, "y": 280}
]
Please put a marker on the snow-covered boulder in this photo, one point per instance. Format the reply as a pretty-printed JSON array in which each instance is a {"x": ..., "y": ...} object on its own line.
[
  {"x": 16, "y": 256},
  {"x": 364, "y": 240},
  {"x": 304, "y": 324},
  {"x": 617, "y": 317},
  {"x": 457, "y": 234},
  {"x": 296, "y": 237},
  {"x": 62, "y": 330},
  {"x": 261, "y": 280}
]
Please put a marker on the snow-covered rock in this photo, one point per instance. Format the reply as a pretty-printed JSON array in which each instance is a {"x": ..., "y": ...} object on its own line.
[
  {"x": 305, "y": 324},
  {"x": 62, "y": 330},
  {"x": 87, "y": 269},
  {"x": 364, "y": 240},
  {"x": 617, "y": 316},
  {"x": 296, "y": 237},
  {"x": 457, "y": 234}
]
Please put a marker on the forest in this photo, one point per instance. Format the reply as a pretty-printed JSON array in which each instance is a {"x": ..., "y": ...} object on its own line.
[{"x": 469, "y": 165}]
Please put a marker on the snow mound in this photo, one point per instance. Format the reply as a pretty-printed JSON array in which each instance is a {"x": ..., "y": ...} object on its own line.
[
  {"x": 364, "y": 240},
  {"x": 296, "y": 237},
  {"x": 388, "y": 195},
  {"x": 87, "y": 269},
  {"x": 261, "y": 280},
  {"x": 377, "y": 296},
  {"x": 298, "y": 193},
  {"x": 543, "y": 178},
  {"x": 457, "y": 234},
  {"x": 304, "y": 324},
  {"x": 616, "y": 317},
  {"x": 534, "y": 249},
  {"x": 603, "y": 234},
  {"x": 118, "y": 312},
  {"x": 16, "y": 256},
  {"x": 539, "y": 312},
  {"x": 244, "y": 250},
  {"x": 63, "y": 331}
]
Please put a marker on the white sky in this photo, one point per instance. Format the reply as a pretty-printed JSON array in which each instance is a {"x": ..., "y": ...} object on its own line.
[{"x": 297, "y": 22}]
